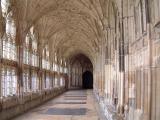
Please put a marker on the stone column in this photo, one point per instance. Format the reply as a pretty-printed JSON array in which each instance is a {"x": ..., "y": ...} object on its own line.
[
  {"x": 20, "y": 38},
  {"x": 40, "y": 49}
]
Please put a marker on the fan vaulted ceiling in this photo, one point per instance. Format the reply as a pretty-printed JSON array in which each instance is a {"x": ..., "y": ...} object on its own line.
[{"x": 70, "y": 27}]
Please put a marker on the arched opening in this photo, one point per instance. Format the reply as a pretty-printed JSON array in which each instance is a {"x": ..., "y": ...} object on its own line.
[
  {"x": 87, "y": 80},
  {"x": 81, "y": 72}
]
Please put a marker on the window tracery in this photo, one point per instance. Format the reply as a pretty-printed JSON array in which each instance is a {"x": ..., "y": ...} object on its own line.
[
  {"x": 45, "y": 58},
  {"x": 8, "y": 81},
  {"x": 26, "y": 81},
  {"x": 26, "y": 50},
  {"x": 25, "y": 69},
  {"x": 34, "y": 53},
  {"x": 48, "y": 81},
  {"x": 140, "y": 18},
  {"x": 30, "y": 53},
  {"x": 56, "y": 63},
  {"x": 34, "y": 81},
  {"x": 8, "y": 52},
  {"x": 9, "y": 42}
]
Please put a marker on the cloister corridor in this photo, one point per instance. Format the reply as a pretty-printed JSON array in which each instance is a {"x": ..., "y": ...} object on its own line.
[
  {"x": 72, "y": 105},
  {"x": 79, "y": 59}
]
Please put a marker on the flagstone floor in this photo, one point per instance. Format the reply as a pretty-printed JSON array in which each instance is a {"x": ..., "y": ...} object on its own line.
[{"x": 72, "y": 105}]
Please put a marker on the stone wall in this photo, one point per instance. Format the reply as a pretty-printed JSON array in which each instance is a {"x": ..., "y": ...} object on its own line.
[
  {"x": 130, "y": 84},
  {"x": 11, "y": 107}
]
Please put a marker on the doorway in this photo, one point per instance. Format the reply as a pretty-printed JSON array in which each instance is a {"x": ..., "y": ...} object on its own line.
[{"x": 87, "y": 80}]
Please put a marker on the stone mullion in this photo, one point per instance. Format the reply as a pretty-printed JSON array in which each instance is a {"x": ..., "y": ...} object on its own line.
[
  {"x": 121, "y": 55},
  {"x": 40, "y": 67},
  {"x": 0, "y": 79},
  {"x": 103, "y": 67},
  {"x": 150, "y": 82},
  {"x": 20, "y": 37},
  {"x": 1, "y": 49},
  {"x": 127, "y": 72},
  {"x": 126, "y": 19},
  {"x": 106, "y": 63},
  {"x": 53, "y": 79},
  {"x": 71, "y": 75},
  {"x": 51, "y": 74},
  {"x": 111, "y": 62},
  {"x": 150, "y": 48},
  {"x": 30, "y": 69},
  {"x": 99, "y": 73},
  {"x": 58, "y": 73}
]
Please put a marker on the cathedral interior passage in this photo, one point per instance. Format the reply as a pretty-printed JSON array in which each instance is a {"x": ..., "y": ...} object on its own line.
[{"x": 79, "y": 59}]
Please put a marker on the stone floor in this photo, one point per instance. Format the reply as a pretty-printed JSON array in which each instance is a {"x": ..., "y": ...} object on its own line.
[{"x": 72, "y": 105}]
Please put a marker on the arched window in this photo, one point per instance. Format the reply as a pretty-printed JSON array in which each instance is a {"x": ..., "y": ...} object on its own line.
[
  {"x": 45, "y": 58},
  {"x": 26, "y": 50},
  {"x": 61, "y": 66},
  {"x": 65, "y": 67},
  {"x": 43, "y": 80},
  {"x": 46, "y": 78},
  {"x": 8, "y": 81},
  {"x": 34, "y": 81},
  {"x": 48, "y": 81},
  {"x": 8, "y": 52},
  {"x": 4, "y": 6},
  {"x": 34, "y": 54},
  {"x": 30, "y": 56},
  {"x": 55, "y": 63},
  {"x": 56, "y": 81},
  {"x": 26, "y": 81},
  {"x": 62, "y": 81},
  {"x": 9, "y": 43},
  {"x": 53, "y": 66}
]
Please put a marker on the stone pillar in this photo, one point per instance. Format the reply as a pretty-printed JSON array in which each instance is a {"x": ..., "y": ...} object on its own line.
[
  {"x": 40, "y": 66},
  {"x": 20, "y": 37}
]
